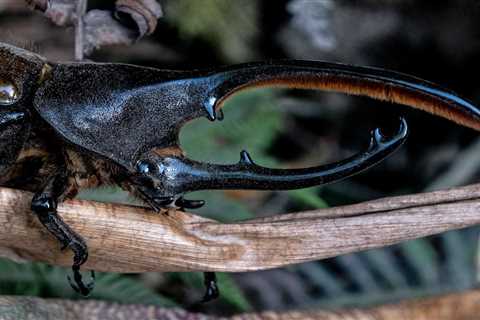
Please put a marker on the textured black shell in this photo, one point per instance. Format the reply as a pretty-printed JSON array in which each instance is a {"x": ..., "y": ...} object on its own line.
[
  {"x": 118, "y": 110},
  {"x": 23, "y": 69}
]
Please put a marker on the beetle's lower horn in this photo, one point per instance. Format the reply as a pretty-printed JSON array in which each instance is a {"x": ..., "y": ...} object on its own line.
[{"x": 191, "y": 175}]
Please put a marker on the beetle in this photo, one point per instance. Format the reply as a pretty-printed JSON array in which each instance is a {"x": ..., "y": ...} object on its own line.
[{"x": 69, "y": 126}]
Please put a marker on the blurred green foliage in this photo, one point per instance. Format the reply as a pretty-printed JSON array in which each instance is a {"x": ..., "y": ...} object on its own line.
[
  {"x": 38, "y": 279},
  {"x": 251, "y": 122},
  {"x": 229, "y": 26}
]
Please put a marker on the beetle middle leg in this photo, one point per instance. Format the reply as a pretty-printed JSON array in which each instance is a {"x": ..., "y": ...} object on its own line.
[
  {"x": 44, "y": 205},
  {"x": 210, "y": 281},
  {"x": 209, "y": 278}
]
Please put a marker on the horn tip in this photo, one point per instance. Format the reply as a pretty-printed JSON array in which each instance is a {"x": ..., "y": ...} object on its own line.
[
  {"x": 209, "y": 106},
  {"x": 245, "y": 158},
  {"x": 378, "y": 138}
]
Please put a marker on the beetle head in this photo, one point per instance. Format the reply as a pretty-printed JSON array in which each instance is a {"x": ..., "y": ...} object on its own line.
[{"x": 158, "y": 178}]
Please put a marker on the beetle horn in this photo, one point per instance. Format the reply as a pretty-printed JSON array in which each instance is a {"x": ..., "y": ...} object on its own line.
[
  {"x": 183, "y": 175},
  {"x": 376, "y": 83}
]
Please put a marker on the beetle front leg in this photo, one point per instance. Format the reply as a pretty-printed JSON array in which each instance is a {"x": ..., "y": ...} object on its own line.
[{"x": 44, "y": 205}]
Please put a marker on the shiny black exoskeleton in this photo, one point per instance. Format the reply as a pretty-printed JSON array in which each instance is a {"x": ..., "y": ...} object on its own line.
[{"x": 67, "y": 126}]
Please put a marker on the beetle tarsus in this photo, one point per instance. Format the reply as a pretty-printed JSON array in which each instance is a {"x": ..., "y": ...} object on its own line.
[
  {"x": 77, "y": 283},
  {"x": 45, "y": 209},
  {"x": 189, "y": 204},
  {"x": 211, "y": 289}
]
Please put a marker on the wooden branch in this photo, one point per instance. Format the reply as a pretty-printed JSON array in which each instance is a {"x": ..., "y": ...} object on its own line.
[
  {"x": 98, "y": 28},
  {"x": 133, "y": 239},
  {"x": 81, "y": 9},
  {"x": 460, "y": 306}
]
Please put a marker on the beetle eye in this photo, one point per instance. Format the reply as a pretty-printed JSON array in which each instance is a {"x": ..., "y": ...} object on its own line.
[
  {"x": 8, "y": 92},
  {"x": 146, "y": 167}
]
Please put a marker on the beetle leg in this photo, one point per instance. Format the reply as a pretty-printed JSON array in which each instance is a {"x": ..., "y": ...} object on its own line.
[
  {"x": 44, "y": 205},
  {"x": 77, "y": 282},
  {"x": 212, "y": 292}
]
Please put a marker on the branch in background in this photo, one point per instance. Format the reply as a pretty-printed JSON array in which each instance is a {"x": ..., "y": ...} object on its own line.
[
  {"x": 80, "y": 11},
  {"x": 133, "y": 239},
  {"x": 461, "y": 306},
  {"x": 132, "y": 20}
]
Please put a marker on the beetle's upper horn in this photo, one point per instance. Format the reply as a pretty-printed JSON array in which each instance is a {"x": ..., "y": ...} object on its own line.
[
  {"x": 190, "y": 175},
  {"x": 364, "y": 81}
]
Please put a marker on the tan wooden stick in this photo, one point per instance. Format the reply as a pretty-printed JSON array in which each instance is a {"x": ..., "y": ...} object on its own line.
[
  {"x": 132, "y": 239},
  {"x": 460, "y": 306}
]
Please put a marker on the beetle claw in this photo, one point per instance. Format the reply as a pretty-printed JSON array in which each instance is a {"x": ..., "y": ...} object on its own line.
[
  {"x": 211, "y": 292},
  {"x": 77, "y": 283}
]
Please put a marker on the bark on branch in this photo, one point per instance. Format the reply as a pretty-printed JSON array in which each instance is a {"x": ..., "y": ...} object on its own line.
[
  {"x": 133, "y": 239},
  {"x": 460, "y": 306}
]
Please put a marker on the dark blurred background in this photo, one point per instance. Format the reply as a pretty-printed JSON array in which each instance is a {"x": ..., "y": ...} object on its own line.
[{"x": 435, "y": 40}]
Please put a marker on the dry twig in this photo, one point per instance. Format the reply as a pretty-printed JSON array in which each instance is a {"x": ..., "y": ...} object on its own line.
[
  {"x": 131, "y": 20},
  {"x": 461, "y": 306},
  {"x": 133, "y": 239}
]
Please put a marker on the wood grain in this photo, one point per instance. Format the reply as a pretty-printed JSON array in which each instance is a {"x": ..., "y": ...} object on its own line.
[
  {"x": 459, "y": 306},
  {"x": 132, "y": 239}
]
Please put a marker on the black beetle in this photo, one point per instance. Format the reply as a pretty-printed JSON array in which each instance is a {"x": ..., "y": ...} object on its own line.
[{"x": 68, "y": 126}]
